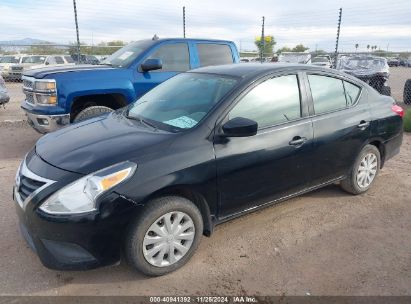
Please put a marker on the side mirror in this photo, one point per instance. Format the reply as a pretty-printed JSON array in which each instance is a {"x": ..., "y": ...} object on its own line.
[
  {"x": 240, "y": 127},
  {"x": 151, "y": 64}
]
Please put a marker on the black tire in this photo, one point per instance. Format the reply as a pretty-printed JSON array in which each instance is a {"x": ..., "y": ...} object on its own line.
[
  {"x": 148, "y": 216},
  {"x": 386, "y": 90},
  {"x": 350, "y": 184},
  {"x": 90, "y": 112},
  {"x": 407, "y": 92}
]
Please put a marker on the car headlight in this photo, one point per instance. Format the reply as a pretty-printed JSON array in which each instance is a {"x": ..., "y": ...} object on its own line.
[
  {"x": 46, "y": 92},
  {"x": 45, "y": 99},
  {"x": 81, "y": 195}
]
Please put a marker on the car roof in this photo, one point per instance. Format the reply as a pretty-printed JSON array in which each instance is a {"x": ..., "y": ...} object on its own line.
[
  {"x": 185, "y": 39},
  {"x": 252, "y": 70}
]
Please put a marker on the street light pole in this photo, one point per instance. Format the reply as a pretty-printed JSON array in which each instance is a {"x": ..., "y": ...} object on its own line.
[{"x": 78, "y": 38}]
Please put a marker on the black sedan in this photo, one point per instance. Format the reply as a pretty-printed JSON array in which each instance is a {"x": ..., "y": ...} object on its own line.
[{"x": 199, "y": 149}]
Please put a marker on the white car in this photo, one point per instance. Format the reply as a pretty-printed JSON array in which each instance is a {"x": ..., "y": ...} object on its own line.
[
  {"x": 41, "y": 61},
  {"x": 295, "y": 57},
  {"x": 10, "y": 66},
  {"x": 323, "y": 61}
]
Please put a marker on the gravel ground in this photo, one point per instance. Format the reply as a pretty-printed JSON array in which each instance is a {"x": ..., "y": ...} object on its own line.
[{"x": 324, "y": 243}]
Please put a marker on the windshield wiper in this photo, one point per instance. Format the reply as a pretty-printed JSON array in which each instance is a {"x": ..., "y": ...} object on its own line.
[{"x": 141, "y": 120}]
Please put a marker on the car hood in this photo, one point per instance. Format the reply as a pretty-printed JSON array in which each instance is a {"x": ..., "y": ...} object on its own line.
[
  {"x": 43, "y": 72},
  {"x": 100, "y": 142}
]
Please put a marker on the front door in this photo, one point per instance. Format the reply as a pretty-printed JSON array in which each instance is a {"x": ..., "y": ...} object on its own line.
[
  {"x": 275, "y": 162},
  {"x": 175, "y": 58}
]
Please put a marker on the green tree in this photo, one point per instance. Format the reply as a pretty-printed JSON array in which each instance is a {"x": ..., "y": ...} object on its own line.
[
  {"x": 300, "y": 48},
  {"x": 267, "y": 47},
  {"x": 283, "y": 49}
]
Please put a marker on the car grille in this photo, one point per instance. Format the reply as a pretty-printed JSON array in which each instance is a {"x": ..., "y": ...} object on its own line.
[
  {"x": 28, "y": 186},
  {"x": 16, "y": 68}
]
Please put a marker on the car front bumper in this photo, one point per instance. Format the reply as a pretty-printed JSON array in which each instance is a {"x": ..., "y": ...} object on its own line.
[
  {"x": 70, "y": 242},
  {"x": 47, "y": 123}
]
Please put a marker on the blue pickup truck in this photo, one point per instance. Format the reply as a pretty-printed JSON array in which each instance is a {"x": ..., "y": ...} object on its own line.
[{"x": 57, "y": 96}]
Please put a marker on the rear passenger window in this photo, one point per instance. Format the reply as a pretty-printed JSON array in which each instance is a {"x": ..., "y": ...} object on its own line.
[
  {"x": 272, "y": 102},
  {"x": 328, "y": 93},
  {"x": 174, "y": 56},
  {"x": 351, "y": 92},
  {"x": 214, "y": 54}
]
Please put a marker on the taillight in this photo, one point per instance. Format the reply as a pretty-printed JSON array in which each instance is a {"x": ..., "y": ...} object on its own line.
[{"x": 398, "y": 110}]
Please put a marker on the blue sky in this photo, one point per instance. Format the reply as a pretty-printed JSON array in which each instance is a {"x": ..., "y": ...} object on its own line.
[{"x": 313, "y": 23}]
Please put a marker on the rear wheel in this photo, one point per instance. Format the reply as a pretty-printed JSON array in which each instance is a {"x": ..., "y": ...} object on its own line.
[
  {"x": 364, "y": 171},
  {"x": 164, "y": 236},
  {"x": 407, "y": 92},
  {"x": 90, "y": 112}
]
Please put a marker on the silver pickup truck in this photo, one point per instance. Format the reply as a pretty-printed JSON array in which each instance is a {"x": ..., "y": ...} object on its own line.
[{"x": 4, "y": 97}]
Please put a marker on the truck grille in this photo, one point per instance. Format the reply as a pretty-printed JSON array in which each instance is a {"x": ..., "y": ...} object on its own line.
[
  {"x": 27, "y": 84},
  {"x": 28, "y": 186},
  {"x": 29, "y": 97},
  {"x": 17, "y": 68}
]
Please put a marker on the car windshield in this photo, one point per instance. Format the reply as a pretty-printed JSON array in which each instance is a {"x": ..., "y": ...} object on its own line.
[
  {"x": 182, "y": 101},
  {"x": 126, "y": 55},
  {"x": 363, "y": 63},
  {"x": 34, "y": 59},
  {"x": 9, "y": 59},
  {"x": 319, "y": 59}
]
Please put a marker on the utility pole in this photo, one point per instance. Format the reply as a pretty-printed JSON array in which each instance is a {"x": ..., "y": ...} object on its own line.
[
  {"x": 262, "y": 41},
  {"x": 78, "y": 38},
  {"x": 338, "y": 39},
  {"x": 184, "y": 21}
]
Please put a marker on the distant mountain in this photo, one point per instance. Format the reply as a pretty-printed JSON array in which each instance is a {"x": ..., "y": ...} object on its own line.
[{"x": 25, "y": 41}]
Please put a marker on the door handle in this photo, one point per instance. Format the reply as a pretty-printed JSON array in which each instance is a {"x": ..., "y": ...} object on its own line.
[
  {"x": 363, "y": 124},
  {"x": 297, "y": 141}
]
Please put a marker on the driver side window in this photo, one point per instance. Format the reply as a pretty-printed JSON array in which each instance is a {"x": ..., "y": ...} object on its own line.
[
  {"x": 275, "y": 101},
  {"x": 175, "y": 57}
]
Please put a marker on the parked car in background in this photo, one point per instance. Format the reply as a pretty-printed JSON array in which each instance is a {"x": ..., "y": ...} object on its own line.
[
  {"x": 201, "y": 148},
  {"x": 58, "y": 96},
  {"x": 11, "y": 68},
  {"x": 4, "y": 97},
  {"x": 405, "y": 62},
  {"x": 323, "y": 61},
  {"x": 370, "y": 69},
  {"x": 85, "y": 59},
  {"x": 28, "y": 62},
  {"x": 393, "y": 62},
  {"x": 295, "y": 57}
]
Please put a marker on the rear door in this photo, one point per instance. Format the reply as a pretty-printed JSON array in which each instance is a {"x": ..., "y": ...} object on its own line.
[
  {"x": 175, "y": 58},
  {"x": 341, "y": 120},
  {"x": 276, "y": 161}
]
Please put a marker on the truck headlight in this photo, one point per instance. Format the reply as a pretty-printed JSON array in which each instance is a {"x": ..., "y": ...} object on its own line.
[
  {"x": 81, "y": 195},
  {"x": 45, "y": 99},
  {"x": 49, "y": 85}
]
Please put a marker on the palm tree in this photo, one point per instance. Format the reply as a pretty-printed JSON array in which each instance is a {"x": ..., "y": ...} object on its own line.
[
  {"x": 356, "y": 47},
  {"x": 368, "y": 47}
]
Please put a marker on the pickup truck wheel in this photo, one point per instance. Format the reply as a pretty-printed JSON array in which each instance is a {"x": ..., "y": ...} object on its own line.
[
  {"x": 164, "y": 236},
  {"x": 364, "y": 171},
  {"x": 91, "y": 112},
  {"x": 407, "y": 92}
]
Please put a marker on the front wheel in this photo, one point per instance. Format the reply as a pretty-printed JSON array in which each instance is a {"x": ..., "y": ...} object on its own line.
[
  {"x": 91, "y": 112},
  {"x": 164, "y": 236},
  {"x": 364, "y": 171}
]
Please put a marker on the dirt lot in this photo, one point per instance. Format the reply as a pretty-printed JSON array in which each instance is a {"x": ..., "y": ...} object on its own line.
[{"x": 323, "y": 243}]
